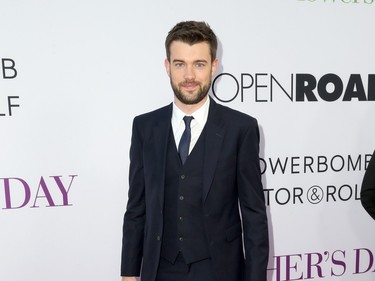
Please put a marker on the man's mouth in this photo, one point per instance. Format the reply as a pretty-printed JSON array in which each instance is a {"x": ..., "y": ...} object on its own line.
[{"x": 189, "y": 85}]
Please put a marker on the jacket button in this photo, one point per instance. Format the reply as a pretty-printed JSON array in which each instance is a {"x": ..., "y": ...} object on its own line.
[
  {"x": 183, "y": 177},
  {"x": 181, "y": 239},
  {"x": 181, "y": 198},
  {"x": 158, "y": 238}
]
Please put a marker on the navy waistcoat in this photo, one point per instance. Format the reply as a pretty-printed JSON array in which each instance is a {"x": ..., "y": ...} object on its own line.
[{"x": 183, "y": 205}]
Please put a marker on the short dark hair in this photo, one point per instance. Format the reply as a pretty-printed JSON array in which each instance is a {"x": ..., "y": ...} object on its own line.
[{"x": 192, "y": 32}]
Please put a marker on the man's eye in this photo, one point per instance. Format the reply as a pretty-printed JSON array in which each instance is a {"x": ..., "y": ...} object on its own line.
[
  {"x": 179, "y": 65},
  {"x": 200, "y": 65}
]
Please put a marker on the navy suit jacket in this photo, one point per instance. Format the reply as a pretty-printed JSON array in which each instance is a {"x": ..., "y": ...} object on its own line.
[{"x": 231, "y": 176}]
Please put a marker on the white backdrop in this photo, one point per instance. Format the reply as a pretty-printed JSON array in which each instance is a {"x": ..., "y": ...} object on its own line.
[{"x": 75, "y": 73}]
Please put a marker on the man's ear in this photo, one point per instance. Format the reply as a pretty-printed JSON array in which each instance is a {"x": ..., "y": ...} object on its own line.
[
  {"x": 167, "y": 66},
  {"x": 214, "y": 66}
]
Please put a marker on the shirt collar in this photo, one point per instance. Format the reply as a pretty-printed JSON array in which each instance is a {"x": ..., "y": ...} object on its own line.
[{"x": 200, "y": 115}]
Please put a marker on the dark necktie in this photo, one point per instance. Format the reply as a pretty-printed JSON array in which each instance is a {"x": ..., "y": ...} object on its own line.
[{"x": 183, "y": 147}]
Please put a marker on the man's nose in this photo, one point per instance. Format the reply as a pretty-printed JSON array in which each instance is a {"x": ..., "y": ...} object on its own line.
[{"x": 189, "y": 73}]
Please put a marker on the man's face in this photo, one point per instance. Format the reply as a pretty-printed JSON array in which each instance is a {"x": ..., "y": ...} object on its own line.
[{"x": 190, "y": 70}]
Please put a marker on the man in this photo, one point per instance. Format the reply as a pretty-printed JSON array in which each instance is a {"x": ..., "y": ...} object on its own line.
[
  {"x": 192, "y": 164},
  {"x": 368, "y": 188}
]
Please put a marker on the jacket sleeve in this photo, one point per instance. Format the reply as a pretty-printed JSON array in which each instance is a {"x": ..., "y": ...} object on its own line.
[
  {"x": 134, "y": 218},
  {"x": 368, "y": 188},
  {"x": 252, "y": 204}
]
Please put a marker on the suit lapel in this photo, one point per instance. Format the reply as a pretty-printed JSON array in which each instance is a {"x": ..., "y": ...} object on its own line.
[
  {"x": 213, "y": 142},
  {"x": 160, "y": 139}
]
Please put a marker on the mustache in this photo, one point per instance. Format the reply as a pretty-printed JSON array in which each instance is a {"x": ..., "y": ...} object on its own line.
[{"x": 187, "y": 82}]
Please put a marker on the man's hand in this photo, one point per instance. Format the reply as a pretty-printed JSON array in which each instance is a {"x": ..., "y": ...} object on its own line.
[{"x": 129, "y": 278}]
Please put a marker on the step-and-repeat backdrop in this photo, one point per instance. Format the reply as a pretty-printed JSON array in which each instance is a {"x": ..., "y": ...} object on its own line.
[{"x": 75, "y": 73}]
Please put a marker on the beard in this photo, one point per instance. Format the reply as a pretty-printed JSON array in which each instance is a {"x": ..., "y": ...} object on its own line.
[{"x": 190, "y": 98}]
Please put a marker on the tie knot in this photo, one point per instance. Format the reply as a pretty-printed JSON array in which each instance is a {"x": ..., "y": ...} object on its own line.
[{"x": 187, "y": 120}]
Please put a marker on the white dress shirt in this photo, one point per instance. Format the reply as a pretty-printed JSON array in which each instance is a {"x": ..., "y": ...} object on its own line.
[{"x": 197, "y": 124}]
